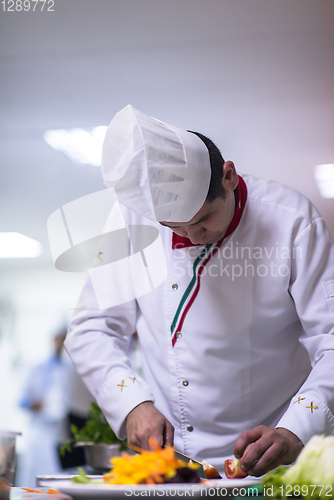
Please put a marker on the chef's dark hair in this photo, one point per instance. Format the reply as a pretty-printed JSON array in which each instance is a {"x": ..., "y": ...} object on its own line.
[{"x": 216, "y": 189}]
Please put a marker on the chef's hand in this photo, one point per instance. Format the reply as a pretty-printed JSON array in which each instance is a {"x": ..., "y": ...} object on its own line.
[
  {"x": 269, "y": 448},
  {"x": 145, "y": 422}
]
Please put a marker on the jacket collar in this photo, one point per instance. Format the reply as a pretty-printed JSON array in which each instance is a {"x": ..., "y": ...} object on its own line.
[{"x": 240, "y": 202}]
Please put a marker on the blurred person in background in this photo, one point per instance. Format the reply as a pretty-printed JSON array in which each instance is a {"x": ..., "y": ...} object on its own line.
[{"x": 46, "y": 397}]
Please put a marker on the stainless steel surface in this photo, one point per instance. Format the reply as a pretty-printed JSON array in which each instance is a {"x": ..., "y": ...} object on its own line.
[
  {"x": 61, "y": 477},
  {"x": 98, "y": 455},
  {"x": 7, "y": 456}
]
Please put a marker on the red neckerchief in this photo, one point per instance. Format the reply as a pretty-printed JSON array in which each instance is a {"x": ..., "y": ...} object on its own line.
[{"x": 241, "y": 196}]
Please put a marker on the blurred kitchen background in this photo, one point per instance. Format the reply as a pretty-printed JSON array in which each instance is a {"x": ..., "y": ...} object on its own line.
[{"x": 256, "y": 76}]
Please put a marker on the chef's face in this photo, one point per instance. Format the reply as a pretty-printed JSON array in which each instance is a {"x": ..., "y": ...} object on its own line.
[{"x": 210, "y": 223}]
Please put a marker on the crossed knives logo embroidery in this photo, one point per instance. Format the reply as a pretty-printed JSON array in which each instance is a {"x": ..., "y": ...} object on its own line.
[
  {"x": 311, "y": 407},
  {"x": 122, "y": 385}
]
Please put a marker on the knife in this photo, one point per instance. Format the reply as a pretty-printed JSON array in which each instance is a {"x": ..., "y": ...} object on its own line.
[{"x": 184, "y": 458}]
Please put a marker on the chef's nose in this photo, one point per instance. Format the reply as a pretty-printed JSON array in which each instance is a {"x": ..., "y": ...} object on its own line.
[{"x": 195, "y": 234}]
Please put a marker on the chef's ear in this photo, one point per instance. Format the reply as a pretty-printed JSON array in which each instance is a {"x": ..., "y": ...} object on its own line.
[{"x": 230, "y": 178}]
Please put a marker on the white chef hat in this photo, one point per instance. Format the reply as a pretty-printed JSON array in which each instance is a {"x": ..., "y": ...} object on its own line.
[{"x": 159, "y": 171}]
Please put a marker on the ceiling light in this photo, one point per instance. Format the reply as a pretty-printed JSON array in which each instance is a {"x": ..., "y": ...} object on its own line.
[
  {"x": 80, "y": 145},
  {"x": 16, "y": 245},
  {"x": 324, "y": 178}
]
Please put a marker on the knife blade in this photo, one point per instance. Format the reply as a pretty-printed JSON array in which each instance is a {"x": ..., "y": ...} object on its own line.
[
  {"x": 203, "y": 466},
  {"x": 184, "y": 458}
]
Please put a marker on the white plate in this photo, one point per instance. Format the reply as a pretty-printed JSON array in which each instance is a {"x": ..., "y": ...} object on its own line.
[
  {"x": 99, "y": 491},
  {"x": 246, "y": 482}
]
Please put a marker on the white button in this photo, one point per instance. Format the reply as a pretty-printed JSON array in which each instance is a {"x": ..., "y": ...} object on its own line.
[
  {"x": 175, "y": 286},
  {"x": 178, "y": 335}
]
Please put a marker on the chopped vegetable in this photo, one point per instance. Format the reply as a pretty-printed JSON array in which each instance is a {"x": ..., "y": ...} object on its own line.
[
  {"x": 210, "y": 472},
  {"x": 150, "y": 467},
  {"x": 312, "y": 475},
  {"x": 33, "y": 491},
  {"x": 233, "y": 469},
  {"x": 81, "y": 477},
  {"x": 49, "y": 492}
]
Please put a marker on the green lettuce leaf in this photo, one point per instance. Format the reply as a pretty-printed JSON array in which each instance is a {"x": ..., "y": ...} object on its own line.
[{"x": 311, "y": 476}]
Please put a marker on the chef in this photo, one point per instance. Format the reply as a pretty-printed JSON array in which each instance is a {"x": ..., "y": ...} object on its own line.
[{"x": 237, "y": 326}]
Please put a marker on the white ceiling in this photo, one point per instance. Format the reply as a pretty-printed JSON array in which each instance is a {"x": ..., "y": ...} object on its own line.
[{"x": 257, "y": 76}]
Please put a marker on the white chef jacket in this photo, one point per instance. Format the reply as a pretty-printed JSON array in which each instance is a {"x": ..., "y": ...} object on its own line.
[{"x": 256, "y": 346}]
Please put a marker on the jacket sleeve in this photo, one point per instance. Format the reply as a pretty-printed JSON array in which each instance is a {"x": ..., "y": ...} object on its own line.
[
  {"x": 96, "y": 343},
  {"x": 312, "y": 289}
]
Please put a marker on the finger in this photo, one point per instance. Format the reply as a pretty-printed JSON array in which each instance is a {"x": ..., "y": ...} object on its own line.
[
  {"x": 264, "y": 452},
  {"x": 134, "y": 437},
  {"x": 168, "y": 434},
  {"x": 262, "y": 467},
  {"x": 144, "y": 444},
  {"x": 134, "y": 443},
  {"x": 140, "y": 437},
  {"x": 245, "y": 439},
  {"x": 157, "y": 433},
  {"x": 138, "y": 441},
  {"x": 255, "y": 451}
]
